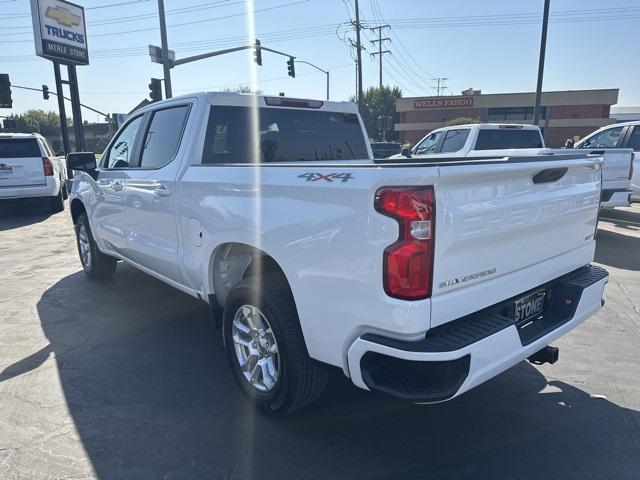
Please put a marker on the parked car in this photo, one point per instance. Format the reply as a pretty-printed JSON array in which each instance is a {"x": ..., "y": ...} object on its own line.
[
  {"x": 488, "y": 139},
  {"x": 619, "y": 135},
  {"x": 478, "y": 140},
  {"x": 29, "y": 168},
  {"x": 385, "y": 149},
  {"x": 417, "y": 280}
]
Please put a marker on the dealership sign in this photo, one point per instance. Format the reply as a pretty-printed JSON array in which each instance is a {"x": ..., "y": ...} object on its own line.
[
  {"x": 60, "y": 31},
  {"x": 443, "y": 102}
]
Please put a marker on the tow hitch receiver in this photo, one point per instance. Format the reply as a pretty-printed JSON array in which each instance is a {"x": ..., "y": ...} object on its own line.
[{"x": 546, "y": 355}]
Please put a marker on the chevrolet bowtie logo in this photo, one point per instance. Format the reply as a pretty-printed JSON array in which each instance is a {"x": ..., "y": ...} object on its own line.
[{"x": 63, "y": 16}]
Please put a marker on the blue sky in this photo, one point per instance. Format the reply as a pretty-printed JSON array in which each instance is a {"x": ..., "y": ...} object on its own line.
[{"x": 488, "y": 45}]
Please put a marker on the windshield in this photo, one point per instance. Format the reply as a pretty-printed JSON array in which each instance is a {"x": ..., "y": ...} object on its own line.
[{"x": 286, "y": 135}]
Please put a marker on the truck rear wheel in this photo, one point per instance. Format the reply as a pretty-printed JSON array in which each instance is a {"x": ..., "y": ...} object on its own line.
[
  {"x": 265, "y": 347},
  {"x": 95, "y": 264}
]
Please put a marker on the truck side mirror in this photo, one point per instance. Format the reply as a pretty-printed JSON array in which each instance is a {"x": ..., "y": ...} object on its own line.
[
  {"x": 82, "y": 161},
  {"x": 406, "y": 151},
  {"x": 569, "y": 143}
]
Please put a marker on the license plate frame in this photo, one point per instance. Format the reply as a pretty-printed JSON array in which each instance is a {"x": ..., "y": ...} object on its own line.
[{"x": 529, "y": 307}]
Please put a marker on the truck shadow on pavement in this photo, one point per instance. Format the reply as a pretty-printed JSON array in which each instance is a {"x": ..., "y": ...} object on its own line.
[
  {"x": 147, "y": 385},
  {"x": 22, "y": 212},
  {"x": 623, "y": 251}
]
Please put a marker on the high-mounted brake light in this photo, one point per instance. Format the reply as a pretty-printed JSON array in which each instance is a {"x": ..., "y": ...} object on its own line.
[
  {"x": 292, "y": 102},
  {"x": 408, "y": 263},
  {"x": 47, "y": 166}
]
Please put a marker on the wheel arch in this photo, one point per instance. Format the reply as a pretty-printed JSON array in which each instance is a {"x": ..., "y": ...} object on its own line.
[
  {"x": 77, "y": 209},
  {"x": 232, "y": 262}
]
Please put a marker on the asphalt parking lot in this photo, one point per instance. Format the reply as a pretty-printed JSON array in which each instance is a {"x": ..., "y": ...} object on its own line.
[{"x": 127, "y": 379}]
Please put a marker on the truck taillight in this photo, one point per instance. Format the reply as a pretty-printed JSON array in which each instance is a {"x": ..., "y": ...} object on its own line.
[
  {"x": 408, "y": 263},
  {"x": 48, "y": 167}
]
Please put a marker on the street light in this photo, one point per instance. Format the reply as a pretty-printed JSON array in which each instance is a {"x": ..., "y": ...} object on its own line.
[{"x": 326, "y": 72}]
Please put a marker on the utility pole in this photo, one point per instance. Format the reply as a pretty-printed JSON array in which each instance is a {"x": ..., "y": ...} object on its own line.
[
  {"x": 380, "y": 52},
  {"x": 543, "y": 48},
  {"x": 440, "y": 86},
  {"x": 359, "y": 56},
  {"x": 166, "y": 64}
]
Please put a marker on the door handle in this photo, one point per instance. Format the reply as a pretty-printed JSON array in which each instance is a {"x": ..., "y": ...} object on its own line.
[{"x": 162, "y": 191}]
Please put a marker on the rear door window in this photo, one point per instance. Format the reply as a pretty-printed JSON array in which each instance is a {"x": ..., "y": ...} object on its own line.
[
  {"x": 284, "y": 135},
  {"x": 634, "y": 138},
  {"x": 163, "y": 136},
  {"x": 505, "y": 138},
  {"x": 19, "y": 148},
  {"x": 454, "y": 140}
]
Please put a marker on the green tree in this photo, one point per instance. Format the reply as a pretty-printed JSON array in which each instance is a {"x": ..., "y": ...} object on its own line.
[
  {"x": 461, "y": 121},
  {"x": 38, "y": 121},
  {"x": 378, "y": 105}
]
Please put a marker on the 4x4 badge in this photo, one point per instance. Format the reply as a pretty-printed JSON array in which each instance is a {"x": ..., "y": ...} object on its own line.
[{"x": 329, "y": 177}]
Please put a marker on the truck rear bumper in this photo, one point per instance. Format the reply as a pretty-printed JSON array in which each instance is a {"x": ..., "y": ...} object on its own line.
[
  {"x": 48, "y": 189},
  {"x": 466, "y": 352}
]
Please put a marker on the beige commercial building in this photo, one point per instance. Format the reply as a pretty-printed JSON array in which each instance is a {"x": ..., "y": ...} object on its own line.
[{"x": 565, "y": 114}]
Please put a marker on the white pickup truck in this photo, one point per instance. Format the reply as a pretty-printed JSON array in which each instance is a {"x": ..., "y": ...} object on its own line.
[
  {"x": 481, "y": 140},
  {"x": 419, "y": 280}
]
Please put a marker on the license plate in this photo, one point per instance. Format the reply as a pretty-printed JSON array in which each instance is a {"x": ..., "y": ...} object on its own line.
[
  {"x": 528, "y": 307},
  {"x": 6, "y": 170}
]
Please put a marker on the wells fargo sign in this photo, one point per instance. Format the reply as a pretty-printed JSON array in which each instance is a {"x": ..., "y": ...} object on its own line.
[{"x": 443, "y": 102}]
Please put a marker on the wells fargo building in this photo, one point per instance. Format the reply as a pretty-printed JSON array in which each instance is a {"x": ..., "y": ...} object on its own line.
[{"x": 565, "y": 114}]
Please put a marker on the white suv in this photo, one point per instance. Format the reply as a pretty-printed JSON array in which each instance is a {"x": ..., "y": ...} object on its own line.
[{"x": 29, "y": 168}]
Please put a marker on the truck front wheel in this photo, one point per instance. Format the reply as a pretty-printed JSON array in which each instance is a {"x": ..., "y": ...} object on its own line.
[
  {"x": 95, "y": 264},
  {"x": 265, "y": 346}
]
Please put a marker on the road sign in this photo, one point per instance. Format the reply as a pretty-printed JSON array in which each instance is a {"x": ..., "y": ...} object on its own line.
[
  {"x": 155, "y": 53},
  {"x": 59, "y": 31}
]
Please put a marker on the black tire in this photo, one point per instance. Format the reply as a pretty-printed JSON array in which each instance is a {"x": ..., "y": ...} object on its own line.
[
  {"x": 300, "y": 381},
  {"x": 97, "y": 265},
  {"x": 63, "y": 187},
  {"x": 56, "y": 204}
]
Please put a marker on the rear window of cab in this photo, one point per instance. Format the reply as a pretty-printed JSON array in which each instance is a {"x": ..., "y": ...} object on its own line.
[{"x": 284, "y": 135}]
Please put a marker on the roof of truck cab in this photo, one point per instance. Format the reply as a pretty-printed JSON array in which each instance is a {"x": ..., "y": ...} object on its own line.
[
  {"x": 491, "y": 126},
  {"x": 249, "y": 100},
  {"x": 20, "y": 135}
]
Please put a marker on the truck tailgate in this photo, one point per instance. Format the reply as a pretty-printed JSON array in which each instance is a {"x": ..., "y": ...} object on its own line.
[
  {"x": 504, "y": 228},
  {"x": 20, "y": 162}
]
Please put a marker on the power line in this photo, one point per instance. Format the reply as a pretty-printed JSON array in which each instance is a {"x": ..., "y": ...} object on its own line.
[{"x": 122, "y": 32}]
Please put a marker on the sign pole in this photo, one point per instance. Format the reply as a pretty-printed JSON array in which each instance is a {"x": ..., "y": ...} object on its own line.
[
  {"x": 166, "y": 65},
  {"x": 63, "y": 115},
  {"x": 75, "y": 108}
]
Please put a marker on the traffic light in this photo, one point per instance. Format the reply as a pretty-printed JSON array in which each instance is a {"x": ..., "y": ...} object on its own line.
[
  {"x": 291, "y": 67},
  {"x": 5, "y": 91},
  {"x": 156, "y": 90},
  {"x": 257, "y": 53},
  {"x": 45, "y": 92},
  {"x": 9, "y": 124}
]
